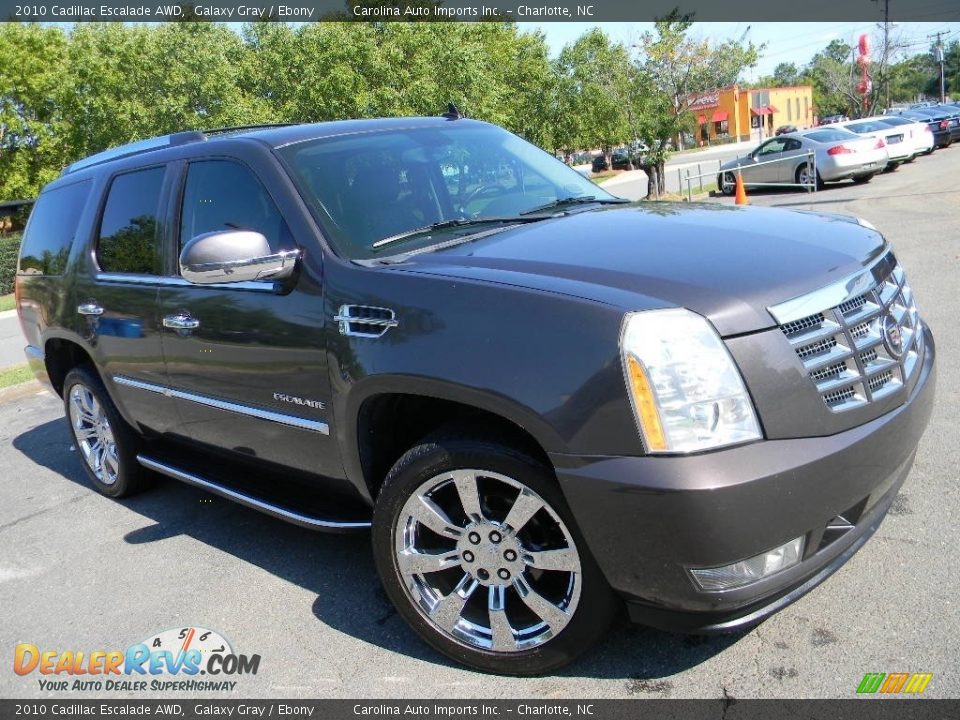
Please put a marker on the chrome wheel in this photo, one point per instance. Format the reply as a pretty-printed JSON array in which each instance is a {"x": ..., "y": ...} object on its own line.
[
  {"x": 729, "y": 184},
  {"x": 93, "y": 434},
  {"x": 487, "y": 561},
  {"x": 805, "y": 176}
]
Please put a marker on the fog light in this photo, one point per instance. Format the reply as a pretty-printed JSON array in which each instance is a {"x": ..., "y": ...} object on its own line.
[{"x": 750, "y": 570}]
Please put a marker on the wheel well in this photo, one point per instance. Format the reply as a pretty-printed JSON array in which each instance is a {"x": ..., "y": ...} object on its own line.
[
  {"x": 389, "y": 425},
  {"x": 61, "y": 356}
]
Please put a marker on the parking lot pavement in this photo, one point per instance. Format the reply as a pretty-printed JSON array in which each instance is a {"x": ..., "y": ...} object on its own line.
[{"x": 81, "y": 572}]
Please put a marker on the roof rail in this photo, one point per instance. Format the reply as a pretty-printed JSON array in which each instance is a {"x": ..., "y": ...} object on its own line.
[
  {"x": 135, "y": 148},
  {"x": 238, "y": 128}
]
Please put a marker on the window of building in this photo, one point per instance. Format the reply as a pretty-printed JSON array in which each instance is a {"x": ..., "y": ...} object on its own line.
[
  {"x": 129, "y": 229},
  {"x": 721, "y": 127},
  {"x": 806, "y": 109},
  {"x": 224, "y": 195},
  {"x": 789, "y": 110},
  {"x": 796, "y": 107},
  {"x": 50, "y": 231}
]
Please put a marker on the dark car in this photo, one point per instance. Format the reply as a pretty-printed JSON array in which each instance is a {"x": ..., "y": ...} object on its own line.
[
  {"x": 544, "y": 402},
  {"x": 599, "y": 163},
  {"x": 938, "y": 122},
  {"x": 829, "y": 119},
  {"x": 784, "y": 129}
]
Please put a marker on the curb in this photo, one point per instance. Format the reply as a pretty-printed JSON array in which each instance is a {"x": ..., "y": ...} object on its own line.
[
  {"x": 8, "y": 314},
  {"x": 30, "y": 388}
]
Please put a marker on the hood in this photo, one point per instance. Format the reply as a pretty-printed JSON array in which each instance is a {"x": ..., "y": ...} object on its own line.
[{"x": 726, "y": 262}]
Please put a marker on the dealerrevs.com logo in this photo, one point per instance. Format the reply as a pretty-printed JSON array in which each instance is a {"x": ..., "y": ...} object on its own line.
[{"x": 186, "y": 659}]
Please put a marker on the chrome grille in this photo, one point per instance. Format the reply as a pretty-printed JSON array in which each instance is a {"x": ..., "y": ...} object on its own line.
[{"x": 849, "y": 349}]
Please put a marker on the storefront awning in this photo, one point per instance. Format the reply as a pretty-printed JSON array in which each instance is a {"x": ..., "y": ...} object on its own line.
[
  {"x": 701, "y": 119},
  {"x": 720, "y": 116},
  {"x": 763, "y": 110},
  {"x": 772, "y": 109}
]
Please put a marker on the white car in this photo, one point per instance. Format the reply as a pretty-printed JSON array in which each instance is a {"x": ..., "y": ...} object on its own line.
[
  {"x": 918, "y": 133},
  {"x": 899, "y": 149}
]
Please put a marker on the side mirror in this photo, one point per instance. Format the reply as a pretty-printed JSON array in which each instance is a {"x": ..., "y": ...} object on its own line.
[{"x": 234, "y": 256}]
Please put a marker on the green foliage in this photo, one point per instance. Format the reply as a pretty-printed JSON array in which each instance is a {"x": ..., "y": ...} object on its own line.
[{"x": 9, "y": 250}]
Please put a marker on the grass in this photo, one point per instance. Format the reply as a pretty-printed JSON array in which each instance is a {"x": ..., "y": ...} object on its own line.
[
  {"x": 601, "y": 177},
  {"x": 15, "y": 375},
  {"x": 7, "y": 302}
]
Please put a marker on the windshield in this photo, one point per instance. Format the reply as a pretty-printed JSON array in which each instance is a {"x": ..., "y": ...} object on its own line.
[{"x": 368, "y": 187}]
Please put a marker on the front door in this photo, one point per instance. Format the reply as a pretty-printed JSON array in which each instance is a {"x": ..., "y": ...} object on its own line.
[
  {"x": 246, "y": 361},
  {"x": 766, "y": 173}
]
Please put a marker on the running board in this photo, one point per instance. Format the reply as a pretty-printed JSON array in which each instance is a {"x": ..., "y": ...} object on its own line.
[{"x": 281, "y": 513}]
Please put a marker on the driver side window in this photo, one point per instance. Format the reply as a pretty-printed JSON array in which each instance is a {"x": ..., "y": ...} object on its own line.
[
  {"x": 771, "y": 147},
  {"x": 224, "y": 195}
]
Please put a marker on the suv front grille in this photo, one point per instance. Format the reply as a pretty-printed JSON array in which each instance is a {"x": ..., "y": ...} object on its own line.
[{"x": 850, "y": 350}]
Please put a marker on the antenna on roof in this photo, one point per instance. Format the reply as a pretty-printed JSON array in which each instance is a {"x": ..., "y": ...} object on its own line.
[{"x": 452, "y": 113}]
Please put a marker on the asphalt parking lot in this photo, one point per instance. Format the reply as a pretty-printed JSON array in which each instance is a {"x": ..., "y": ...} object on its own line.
[{"x": 81, "y": 572}]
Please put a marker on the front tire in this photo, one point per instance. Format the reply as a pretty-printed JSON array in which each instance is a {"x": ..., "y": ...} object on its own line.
[
  {"x": 727, "y": 183},
  {"x": 477, "y": 549},
  {"x": 106, "y": 444}
]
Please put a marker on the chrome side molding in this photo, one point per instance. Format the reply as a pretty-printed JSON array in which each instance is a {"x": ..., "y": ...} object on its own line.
[
  {"x": 259, "y": 413},
  {"x": 308, "y": 521}
]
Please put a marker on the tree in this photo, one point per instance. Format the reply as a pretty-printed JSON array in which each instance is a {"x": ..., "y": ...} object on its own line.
[
  {"x": 594, "y": 77},
  {"x": 32, "y": 74},
  {"x": 672, "y": 68}
]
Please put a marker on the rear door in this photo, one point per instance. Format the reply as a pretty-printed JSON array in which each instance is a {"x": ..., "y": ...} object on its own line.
[
  {"x": 117, "y": 302},
  {"x": 246, "y": 361}
]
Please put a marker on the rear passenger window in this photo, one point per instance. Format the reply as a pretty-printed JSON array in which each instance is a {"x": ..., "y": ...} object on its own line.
[
  {"x": 51, "y": 229},
  {"x": 129, "y": 228},
  {"x": 223, "y": 195}
]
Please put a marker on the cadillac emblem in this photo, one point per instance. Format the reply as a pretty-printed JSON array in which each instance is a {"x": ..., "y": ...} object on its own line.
[{"x": 892, "y": 337}]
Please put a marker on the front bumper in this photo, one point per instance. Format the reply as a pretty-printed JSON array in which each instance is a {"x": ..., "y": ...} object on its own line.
[{"x": 648, "y": 519}]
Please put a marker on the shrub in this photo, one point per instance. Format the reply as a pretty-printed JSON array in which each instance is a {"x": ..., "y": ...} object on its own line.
[{"x": 9, "y": 250}]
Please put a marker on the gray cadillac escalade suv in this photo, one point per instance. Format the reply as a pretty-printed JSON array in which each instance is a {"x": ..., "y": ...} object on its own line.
[{"x": 546, "y": 402}]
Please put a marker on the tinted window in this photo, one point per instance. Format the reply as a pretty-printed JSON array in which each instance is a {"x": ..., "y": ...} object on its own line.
[
  {"x": 895, "y": 121},
  {"x": 129, "y": 228},
  {"x": 791, "y": 144},
  {"x": 866, "y": 126},
  {"x": 224, "y": 195},
  {"x": 50, "y": 231}
]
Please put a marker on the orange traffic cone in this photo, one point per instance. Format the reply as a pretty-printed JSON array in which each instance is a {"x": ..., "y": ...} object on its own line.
[{"x": 741, "y": 192}]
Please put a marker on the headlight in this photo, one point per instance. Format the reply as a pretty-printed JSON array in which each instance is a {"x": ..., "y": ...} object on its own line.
[{"x": 686, "y": 391}]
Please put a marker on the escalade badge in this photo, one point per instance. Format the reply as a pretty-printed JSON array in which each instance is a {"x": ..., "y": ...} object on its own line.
[
  {"x": 892, "y": 337},
  {"x": 283, "y": 397}
]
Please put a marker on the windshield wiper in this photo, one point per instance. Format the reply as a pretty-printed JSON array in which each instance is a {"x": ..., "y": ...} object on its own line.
[
  {"x": 458, "y": 222},
  {"x": 573, "y": 200}
]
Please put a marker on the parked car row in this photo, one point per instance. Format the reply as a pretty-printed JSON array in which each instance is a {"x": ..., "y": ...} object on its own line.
[{"x": 845, "y": 150}]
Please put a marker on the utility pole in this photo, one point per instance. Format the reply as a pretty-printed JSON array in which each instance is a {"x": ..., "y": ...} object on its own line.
[
  {"x": 885, "y": 67},
  {"x": 939, "y": 58}
]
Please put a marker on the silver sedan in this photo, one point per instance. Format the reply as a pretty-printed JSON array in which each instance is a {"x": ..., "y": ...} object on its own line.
[{"x": 785, "y": 160}]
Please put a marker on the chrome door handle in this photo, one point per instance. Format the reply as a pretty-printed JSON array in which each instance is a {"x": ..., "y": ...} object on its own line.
[
  {"x": 181, "y": 322},
  {"x": 90, "y": 308}
]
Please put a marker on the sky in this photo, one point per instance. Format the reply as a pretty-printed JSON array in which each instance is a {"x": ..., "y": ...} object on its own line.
[{"x": 786, "y": 42}]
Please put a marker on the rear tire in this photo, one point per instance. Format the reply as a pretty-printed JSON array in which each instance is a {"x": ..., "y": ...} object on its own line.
[
  {"x": 107, "y": 446},
  {"x": 802, "y": 176},
  {"x": 474, "y": 503},
  {"x": 863, "y": 179}
]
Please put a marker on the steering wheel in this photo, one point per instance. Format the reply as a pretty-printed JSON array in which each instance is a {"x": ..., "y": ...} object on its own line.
[{"x": 490, "y": 189}]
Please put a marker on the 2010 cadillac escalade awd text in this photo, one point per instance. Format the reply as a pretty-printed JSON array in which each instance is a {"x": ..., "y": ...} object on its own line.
[{"x": 545, "y": 401}]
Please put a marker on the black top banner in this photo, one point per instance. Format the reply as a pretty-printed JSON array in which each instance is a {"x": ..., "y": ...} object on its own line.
[{"x": 934, "y": 11}]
